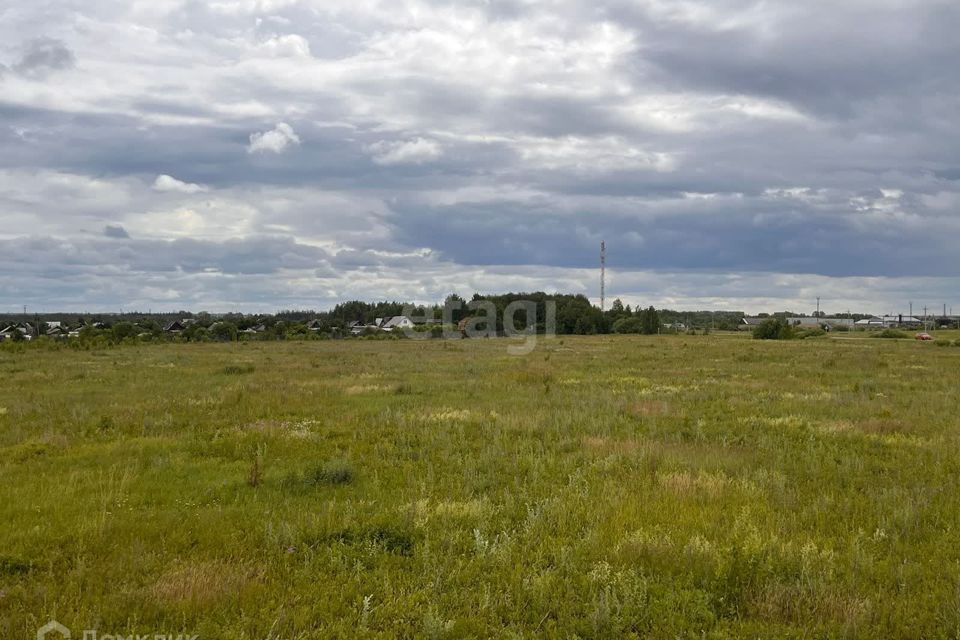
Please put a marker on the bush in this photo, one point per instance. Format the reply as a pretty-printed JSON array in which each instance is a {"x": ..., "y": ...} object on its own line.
[
  {"x": 892, "y": 334},
  {"x": 123, "y": 330},
  {"x": 332, "y": 472},
  {"x": 773, "y": 329},
  {"x": 943, "y": 343},
  {"x": 224, "y": 332},
  {"x": 810, "y": 333},
  {"x": 628, "y": 325}
]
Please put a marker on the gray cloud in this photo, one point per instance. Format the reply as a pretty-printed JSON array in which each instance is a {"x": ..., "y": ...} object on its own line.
[
  {"x": 115, "y": 231},
  {"x": 42, "y": 55},
  {"x": 234, "y": 256},
  {"x": 365, "y": 151}
]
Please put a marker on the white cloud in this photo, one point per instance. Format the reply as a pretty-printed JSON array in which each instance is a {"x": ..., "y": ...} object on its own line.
[
  {"x": 165, "y": 183},
  {"x": 286, "y": 46},
  {"x": 416, "y": 151},
  {"x": 276, "y": 140},
  {"x": 591, "y": 155}
]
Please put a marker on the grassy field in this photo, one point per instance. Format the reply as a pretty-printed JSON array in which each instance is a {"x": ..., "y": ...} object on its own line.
[{"x": 601, "y": 487}]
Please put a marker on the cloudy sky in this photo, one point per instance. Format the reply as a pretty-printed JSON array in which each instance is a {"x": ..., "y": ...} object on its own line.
[{"x": 266, "y": 154}]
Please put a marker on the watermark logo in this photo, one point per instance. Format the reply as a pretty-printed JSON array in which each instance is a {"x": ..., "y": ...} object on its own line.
[
  {"x": 53, "y": 630},
  {"x": 525, "y": 321}
]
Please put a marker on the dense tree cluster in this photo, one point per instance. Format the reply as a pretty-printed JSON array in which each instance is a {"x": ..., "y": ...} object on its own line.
[{"x": 773, "y": 329}]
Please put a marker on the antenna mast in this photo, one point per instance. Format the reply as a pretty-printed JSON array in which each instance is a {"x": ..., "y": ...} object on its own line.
[{"x": 603, "y": 275}]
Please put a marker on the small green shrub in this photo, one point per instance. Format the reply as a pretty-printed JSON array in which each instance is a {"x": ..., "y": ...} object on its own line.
[
  {"x": 14, "y": 566},
  {"x": 943, "y": 343},
  {"x": 628, "y": 325},
  {"x": 255, "y": 475},
  {"x": 332, "y": 472},
  {"x": 393, "y": 538}
]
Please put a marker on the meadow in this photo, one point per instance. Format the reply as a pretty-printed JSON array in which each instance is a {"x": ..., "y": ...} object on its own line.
[{"x": 600, "y": 487}]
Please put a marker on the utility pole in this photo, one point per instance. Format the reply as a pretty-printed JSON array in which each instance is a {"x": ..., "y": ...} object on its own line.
[
  {"x": 818, "y": 306},
  {"x": 925, "y": 328},
  {"x": 603, "y": 275}
]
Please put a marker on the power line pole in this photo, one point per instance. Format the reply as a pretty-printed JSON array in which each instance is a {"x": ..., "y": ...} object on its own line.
[
  {"x": 603, "y": 276},
  {"x": 818, "y": 306}
]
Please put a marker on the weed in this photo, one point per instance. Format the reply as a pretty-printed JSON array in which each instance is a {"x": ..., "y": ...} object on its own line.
[
  {"x": 333, "y": 472},
  {"x": 237, "y": 369},
  {"x": 14, "y": 566},
  {"x": 255, "y": 474}
]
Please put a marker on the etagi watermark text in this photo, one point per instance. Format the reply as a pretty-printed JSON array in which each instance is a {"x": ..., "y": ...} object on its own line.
[
  {"x": 523, "y": 320},
  {"x": 53, "y": 630}
]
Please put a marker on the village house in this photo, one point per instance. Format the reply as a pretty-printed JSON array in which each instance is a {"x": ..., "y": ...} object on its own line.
[
  {"x": 357, "y": 328},
  {"x": 25, "y": 329},
  {"x": 889, "y": 322},
  {"x": 55, "y": 329},
  {"x": 174, "y": 327},
  {"x": 815, "y": 322},
  {"x": 397, "y": 322}
]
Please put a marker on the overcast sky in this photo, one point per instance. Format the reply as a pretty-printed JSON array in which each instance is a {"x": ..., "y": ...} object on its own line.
[{"x": 268, "y": 154}]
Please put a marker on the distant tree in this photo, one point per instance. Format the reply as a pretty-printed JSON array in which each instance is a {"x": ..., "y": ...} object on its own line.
[
  {"x": 773, "y": 329},
  {"x": 628, "y": 325},
  {"x": 123, "y": 330},
  {"x": 224, "y": 332},
  {"x": 275, "y": 331},
  {"x": 616, "y": 312},
  {"x": 457, "y": 306},
  {"x": 649, "y": 321},
  {"x": 150, "y": 326},
  {"x": 86, "y": 331},
  {"x": 195, "y": 333}
]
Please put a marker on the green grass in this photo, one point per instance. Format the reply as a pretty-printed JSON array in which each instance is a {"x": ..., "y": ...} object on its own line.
[{"x": 607, "y": 487}]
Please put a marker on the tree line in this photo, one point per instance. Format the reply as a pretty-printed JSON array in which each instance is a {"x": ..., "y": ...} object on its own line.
[{"x": 567, "y": 314}]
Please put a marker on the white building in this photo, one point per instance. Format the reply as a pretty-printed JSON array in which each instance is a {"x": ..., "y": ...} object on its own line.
[{"x": 398, "y": 322}]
